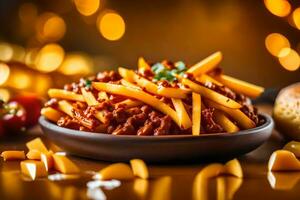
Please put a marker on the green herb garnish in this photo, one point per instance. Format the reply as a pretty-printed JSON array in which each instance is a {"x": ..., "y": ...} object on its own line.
[
  {"x": 163, "y": 73},
  {"x": 88, "y": 83}
]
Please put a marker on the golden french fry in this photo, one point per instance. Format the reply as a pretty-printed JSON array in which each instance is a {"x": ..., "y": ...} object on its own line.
[
  {"x": 128, "y": 103},
  {"x": 129, "y": 84},
  {"x": 100, "y": 115},
  {"x": 139, "y": 95},
  {"x": 177, "y": 93},
  {"x": 13, "y": 155},
  {"x": 196, "y": 116},
  {"x": 225, "y": 122},
  {"x": 91, "y": 101},
  {"x": 210, "y": 94},
  {"x": 243, "y": 120},
  {"x": 131, "y": 76},
  {"x": 89, "y": 98},
  {"x": 63, "y": 94},
  {"x": 51, "y": 114},
  {"x": 145, "y": 83},
  {"x": 240, "y": 86},
  {"x": 204, "y": 78},
  {"x": 183, "y": 116},
  {"x": 143, "y": 65},
  {"x": 206, "y": 64},
  {"x": 127, "y": 74},
  {"x": 102, "y": 95},
  {"x": 65, "y": 107}
]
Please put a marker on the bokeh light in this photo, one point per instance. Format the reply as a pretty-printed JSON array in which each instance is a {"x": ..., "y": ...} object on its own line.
[
  {"x": 111, "y": 25},
  {"x": 30, "y": 57},
  {"x": 87, "y": 7},
  {"x": 19, "y": 79},
  {"x": 42, "y": 83},
  {"x": 76, "y": 64},
  {"x": 4, "y": 73},
  {"x": 50, "y": 27},
  {"x": 280, "y": 8},
  {"x": 296, "y": 17},
  {"x": 291, "y": 60},
  {"x": 28, "y": 12},
  {"x": 4, "y": 94},
  {"x": 18, "y": 53},
  {"x": 6, "y": 51},
  {"x": 275, "y": 42},
  {"x": 49, "y": 58}
]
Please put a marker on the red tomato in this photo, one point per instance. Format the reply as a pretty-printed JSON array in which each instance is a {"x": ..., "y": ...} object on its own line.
[
  {"x": 13, "y": 118},
  {"x": 33, "y": 105}
]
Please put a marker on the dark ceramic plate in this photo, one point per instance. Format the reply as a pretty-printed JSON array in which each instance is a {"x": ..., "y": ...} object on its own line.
[{"x": 157, "y": 148}]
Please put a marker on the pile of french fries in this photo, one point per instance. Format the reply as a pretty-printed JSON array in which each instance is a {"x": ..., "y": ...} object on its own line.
[{"x": 140, "y": 90}]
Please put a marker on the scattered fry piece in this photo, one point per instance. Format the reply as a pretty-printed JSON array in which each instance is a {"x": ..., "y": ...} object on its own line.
[
  {"x": 64, "y": 165},
  {"x": 119, "y": 171},
  {"x": 37, "y": 144},
  {"x": 141, "y": 187},
  {"x": 33, "y": 154},
  {"x": 13, "y": 155},
  {"x": 234, "y": 168},
  {"x": 34, "y": 169},
  {"x": 139, "y": 168},
  {"x": 47, "y": 160},
  {"x": 283, "y": 160}
]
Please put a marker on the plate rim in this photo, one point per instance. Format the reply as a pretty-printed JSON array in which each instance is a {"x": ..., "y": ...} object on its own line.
[{"x": 43, "y": 122}]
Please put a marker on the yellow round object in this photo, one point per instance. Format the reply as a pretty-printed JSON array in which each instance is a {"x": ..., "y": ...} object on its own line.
[{"x": 286, "y": 111}]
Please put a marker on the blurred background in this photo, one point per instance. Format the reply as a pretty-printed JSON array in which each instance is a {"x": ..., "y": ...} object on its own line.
[{"x": 46, "y": 43}]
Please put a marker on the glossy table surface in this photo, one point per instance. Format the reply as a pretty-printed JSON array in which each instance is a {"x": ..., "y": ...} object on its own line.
[{"x": 171, "y": 181}]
